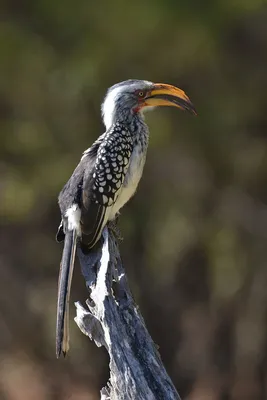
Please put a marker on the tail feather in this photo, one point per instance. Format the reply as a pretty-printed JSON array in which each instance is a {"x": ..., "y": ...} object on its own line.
[{"x": 64, "y": 286}]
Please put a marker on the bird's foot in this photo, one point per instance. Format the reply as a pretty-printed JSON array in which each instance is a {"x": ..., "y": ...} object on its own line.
[{"x": 113, "y": 226}]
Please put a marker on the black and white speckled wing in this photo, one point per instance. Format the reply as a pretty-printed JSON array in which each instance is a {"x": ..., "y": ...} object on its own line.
[{"x": 102, "y": 185}]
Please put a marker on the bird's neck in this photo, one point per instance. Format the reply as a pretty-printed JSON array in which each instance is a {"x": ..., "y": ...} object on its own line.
[
  {"x": 133, "y": 121},
  {"x": 136, "y": 122},
  {"x": 136, "y": 125}
]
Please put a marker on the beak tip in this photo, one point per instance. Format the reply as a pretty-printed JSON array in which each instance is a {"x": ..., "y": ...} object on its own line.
[{"x": 191, "y": 108}]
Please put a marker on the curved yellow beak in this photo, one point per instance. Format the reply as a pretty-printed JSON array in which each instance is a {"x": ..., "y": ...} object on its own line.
[{"x": 167, "y": 95}]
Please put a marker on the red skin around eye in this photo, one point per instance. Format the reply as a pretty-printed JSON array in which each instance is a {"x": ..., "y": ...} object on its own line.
[
  {"x": 140, "y": 105},
  {"x": 140, "y": 101}
]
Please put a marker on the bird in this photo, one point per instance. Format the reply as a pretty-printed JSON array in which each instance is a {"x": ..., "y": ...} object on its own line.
[{"x": 106, "y": 177}]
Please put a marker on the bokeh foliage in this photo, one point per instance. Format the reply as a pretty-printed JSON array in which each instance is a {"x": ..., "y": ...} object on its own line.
[{"x": 195, "y": 234}]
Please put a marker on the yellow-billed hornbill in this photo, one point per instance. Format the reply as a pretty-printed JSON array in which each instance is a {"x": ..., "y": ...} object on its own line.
[{"x": 107, "y": 177}]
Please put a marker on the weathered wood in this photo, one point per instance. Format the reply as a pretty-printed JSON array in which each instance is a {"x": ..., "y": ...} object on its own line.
[{"x": 114, "y": 321}]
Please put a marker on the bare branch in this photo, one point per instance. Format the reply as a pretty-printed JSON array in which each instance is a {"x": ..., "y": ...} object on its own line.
[{"x": 114, "y": 321}]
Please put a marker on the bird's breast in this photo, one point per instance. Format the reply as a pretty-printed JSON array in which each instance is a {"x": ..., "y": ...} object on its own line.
[{"x": 131, "y": 180}]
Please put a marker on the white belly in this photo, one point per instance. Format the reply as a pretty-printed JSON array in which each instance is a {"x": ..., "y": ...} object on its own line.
[{"x": 131, "y": 181}]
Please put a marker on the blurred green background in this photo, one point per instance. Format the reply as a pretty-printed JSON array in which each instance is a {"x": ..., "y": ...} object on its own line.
[{"x": 195, "y": 235}]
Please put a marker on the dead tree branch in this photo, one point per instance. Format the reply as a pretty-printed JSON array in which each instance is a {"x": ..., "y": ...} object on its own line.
[{"x": 114, "y": 321}]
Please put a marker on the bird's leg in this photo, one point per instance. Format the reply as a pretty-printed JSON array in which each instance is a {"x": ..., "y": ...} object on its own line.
[
  {"x": 114, "y": 231},
  {"x": 113, "y": 226}
]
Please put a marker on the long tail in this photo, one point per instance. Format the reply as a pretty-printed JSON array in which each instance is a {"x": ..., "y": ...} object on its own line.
[{"x": 64, "y": 286}]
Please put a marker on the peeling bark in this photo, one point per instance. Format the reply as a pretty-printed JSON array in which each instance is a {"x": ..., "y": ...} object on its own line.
[{"x": 113, "y": 320}]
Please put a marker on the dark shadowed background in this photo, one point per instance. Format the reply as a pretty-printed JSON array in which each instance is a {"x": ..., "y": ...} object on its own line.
[{"x": 195, "y": 235}]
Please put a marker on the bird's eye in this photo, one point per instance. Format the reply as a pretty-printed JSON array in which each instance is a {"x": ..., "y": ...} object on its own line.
[{"x": 141, "y": 94}]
